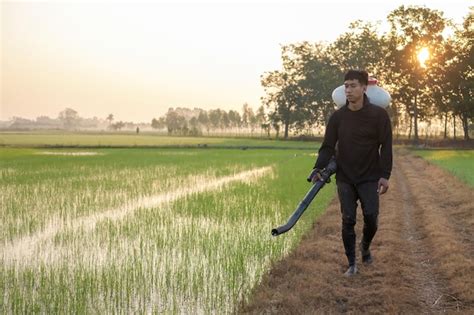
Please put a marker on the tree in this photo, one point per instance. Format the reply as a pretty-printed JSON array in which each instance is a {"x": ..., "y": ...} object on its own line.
[
  {"x": 300, "y": 93},
  {"x": 246, "y": 113},
  {"x": 194, "y": 125},
  {"x": 158, "y": 123},
  {"x": 411, "y": 29},
  {"x": 175, "y": 122},
  {"x": 458, "y": 82},
  {"x": 283, "y": 93},
  {"x": 282, "y": 96},
  {"x": 225, "y": 121},
  {"x": 234, "y": 118},
  {"x": 215, "y": 118},
  {"x": 261, "y": 119},
  {"x": 275, "y": 121},
  {"x": 320, "y": 77},
  {"x": 203, "y": 119},
  {"x": 248, "y": 117},
  {"x": 110, "y": 118},
  {"x": 118, "y": 125},
  {"x": 359, "y": 48},
  {"x": 69, "y": 118}
]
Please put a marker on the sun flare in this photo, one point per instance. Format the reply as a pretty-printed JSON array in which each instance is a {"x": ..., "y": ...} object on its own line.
[{"x": 423, "y": 56}]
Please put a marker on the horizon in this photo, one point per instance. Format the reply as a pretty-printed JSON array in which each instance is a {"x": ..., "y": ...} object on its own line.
[{"x": 137, "y": 60}]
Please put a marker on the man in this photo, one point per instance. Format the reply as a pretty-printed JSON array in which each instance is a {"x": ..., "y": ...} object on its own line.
[{"x": 360, "y": 136}]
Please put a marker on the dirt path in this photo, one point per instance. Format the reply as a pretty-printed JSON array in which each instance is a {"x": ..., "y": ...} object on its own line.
[{"x": 423, "y": 254}]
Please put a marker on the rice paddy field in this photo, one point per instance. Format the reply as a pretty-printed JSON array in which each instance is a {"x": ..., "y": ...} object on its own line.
[
  {"x": 459, "y": 162},
  {"x": 145, "y": 230},
  {"x": 144, "y": 139}
]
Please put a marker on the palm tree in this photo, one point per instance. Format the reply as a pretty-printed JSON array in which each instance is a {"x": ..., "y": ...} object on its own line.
[{"x": 110, "y": 118}]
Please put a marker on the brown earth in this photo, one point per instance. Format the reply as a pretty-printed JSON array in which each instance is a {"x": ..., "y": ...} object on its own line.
[{"x": 423, "y": 254}]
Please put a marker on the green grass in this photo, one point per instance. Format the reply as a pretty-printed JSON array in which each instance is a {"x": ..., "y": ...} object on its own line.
[
  {"x": 60, "y": 139},
  {"x": 458, "y": 162},
  {"x": 199, "y": 253}
]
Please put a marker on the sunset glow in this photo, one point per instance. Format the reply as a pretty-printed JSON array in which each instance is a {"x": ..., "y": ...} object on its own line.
[
  {"x": 135, "y": 60},
  {"x": 423, "y": 55}
]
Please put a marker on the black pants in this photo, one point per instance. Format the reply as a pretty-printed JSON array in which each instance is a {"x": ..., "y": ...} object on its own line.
[{"x": 369, "y": 199}]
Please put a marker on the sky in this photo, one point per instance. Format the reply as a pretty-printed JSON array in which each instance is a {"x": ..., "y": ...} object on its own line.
[{"x": 137, "y": 59}]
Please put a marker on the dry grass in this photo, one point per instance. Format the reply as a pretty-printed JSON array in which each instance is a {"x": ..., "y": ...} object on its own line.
[
  {"x": 448, "y": 210},
  {"x": 423, "y": 255}
]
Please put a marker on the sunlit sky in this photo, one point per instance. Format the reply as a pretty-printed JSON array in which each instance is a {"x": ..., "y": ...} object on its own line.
[{"x": 137, "y": 59}]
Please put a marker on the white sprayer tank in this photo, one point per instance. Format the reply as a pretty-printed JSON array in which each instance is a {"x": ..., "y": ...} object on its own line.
[{"x": 376, "y": 95}]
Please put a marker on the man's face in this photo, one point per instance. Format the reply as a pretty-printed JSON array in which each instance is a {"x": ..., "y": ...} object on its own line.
[{"x": 354, "y": 90}]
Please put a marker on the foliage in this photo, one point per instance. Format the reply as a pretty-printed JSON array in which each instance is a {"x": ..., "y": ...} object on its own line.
[
  {"x": 69, "y": 117},
  {"x": 412, "y": 28},
  {"x": 117, "y": 126},
  {"x": 298, "y": 94},
  {"x": 187, "y": 122}
]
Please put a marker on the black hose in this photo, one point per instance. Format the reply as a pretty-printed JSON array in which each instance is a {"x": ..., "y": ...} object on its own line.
[{"x": 313, "y": 191}]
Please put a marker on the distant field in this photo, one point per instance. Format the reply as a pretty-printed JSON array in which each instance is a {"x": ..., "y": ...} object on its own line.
[
  {"x": 458, "y": 162},
  {"x": 53, "y": 139},
  {"x": 155, "y": 230}
]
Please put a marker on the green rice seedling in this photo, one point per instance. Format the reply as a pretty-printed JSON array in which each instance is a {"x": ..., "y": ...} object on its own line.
[
  {"x": 459, "y": 162},
  {"x": 146, "y": 231},
  {"x": 101, "y": 139}
]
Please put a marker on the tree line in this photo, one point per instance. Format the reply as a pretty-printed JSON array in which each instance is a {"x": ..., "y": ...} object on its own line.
[
  {"x": 69, "y": 119},
  {"x": 197, "y": 121},
  {"x": 298, "y": 99},
  {"x": 298, "y": 96}
]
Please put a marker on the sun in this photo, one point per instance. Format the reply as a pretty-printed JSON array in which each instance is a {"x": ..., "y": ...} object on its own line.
[{"x": 423, "y": 56}]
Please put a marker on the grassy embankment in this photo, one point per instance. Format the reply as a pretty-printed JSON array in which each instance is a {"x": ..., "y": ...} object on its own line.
[{"x": 458, "y": 162}]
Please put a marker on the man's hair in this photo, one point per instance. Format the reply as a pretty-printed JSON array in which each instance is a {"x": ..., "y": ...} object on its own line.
[{"x": 360, "y": 75}]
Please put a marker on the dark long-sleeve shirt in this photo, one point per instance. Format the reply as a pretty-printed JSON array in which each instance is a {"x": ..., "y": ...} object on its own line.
[{"x": 364, "y": 144}]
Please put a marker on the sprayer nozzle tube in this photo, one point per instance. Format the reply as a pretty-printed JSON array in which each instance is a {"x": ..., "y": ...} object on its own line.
[{"x": 326, "y": 174}]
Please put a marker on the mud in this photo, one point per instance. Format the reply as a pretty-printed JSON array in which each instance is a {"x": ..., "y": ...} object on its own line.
[{"x": 423, "y": 254}]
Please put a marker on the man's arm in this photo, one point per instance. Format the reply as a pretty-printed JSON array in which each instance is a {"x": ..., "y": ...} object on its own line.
[
  {"x": 386, "y": 155},
  {"x": 328, "y": 146}
]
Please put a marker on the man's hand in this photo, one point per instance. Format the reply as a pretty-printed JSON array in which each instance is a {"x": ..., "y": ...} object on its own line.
[
  {"x": 316, "y": 176},
  {"x": 382, "y": 186}
]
